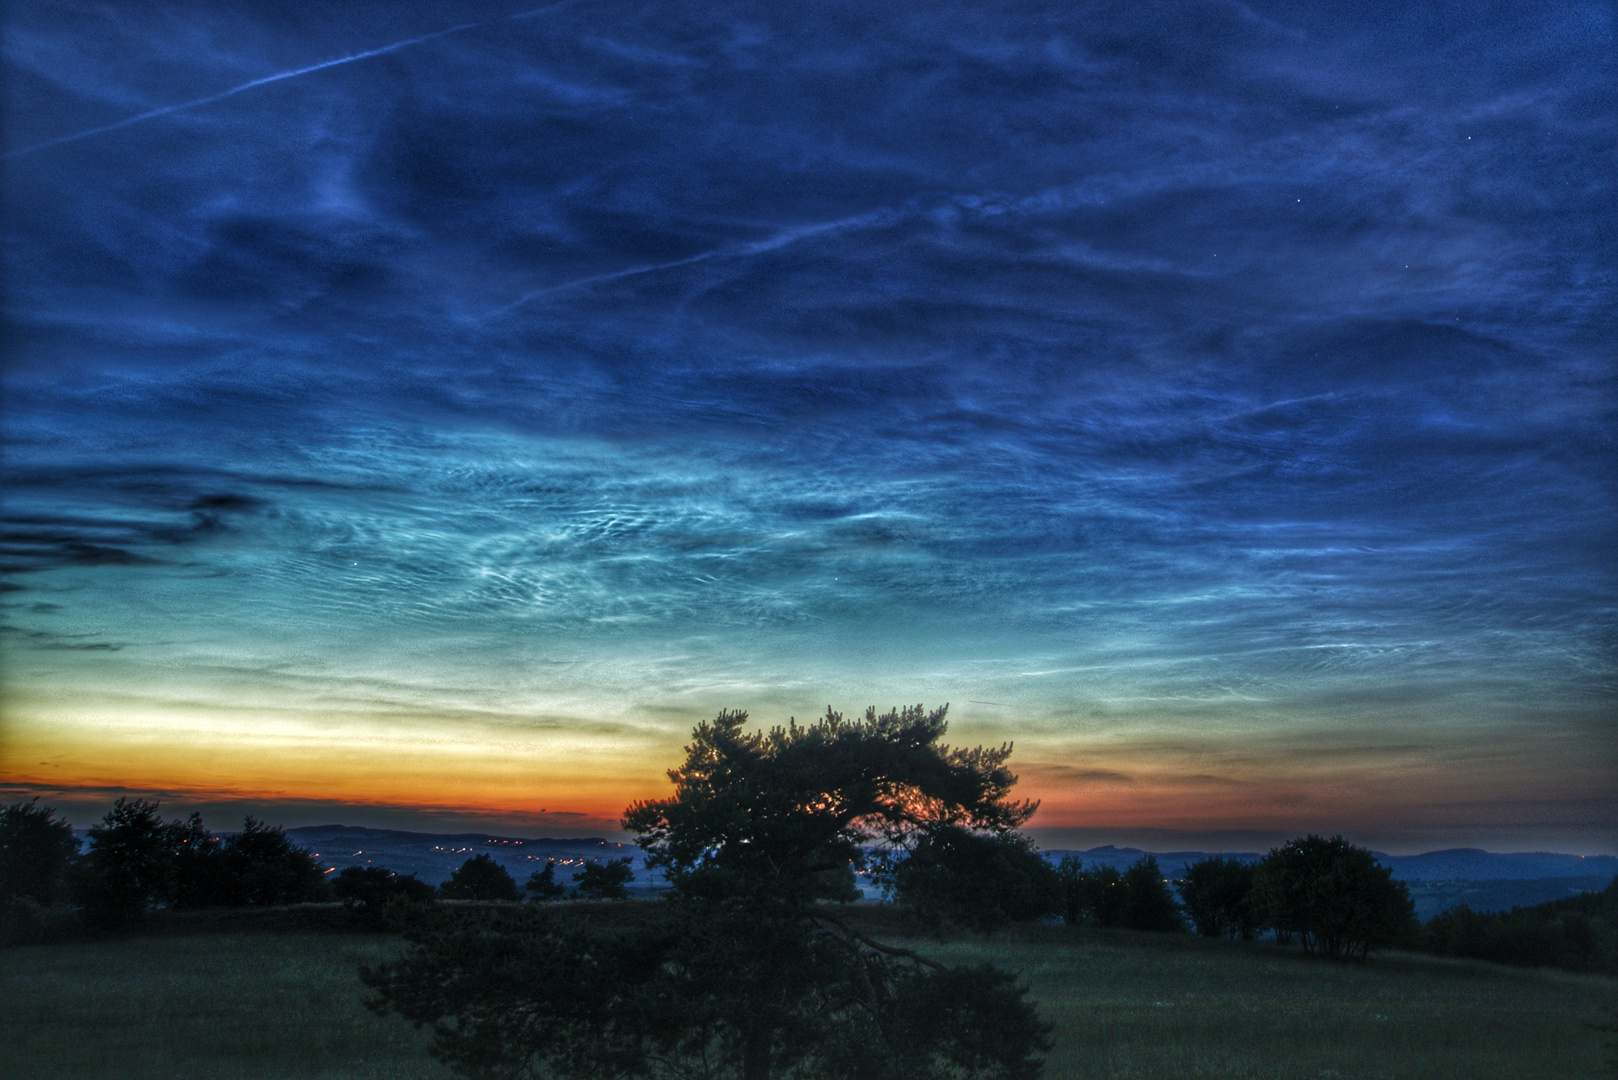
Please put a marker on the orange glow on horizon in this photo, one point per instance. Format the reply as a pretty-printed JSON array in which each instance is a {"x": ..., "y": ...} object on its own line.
[
  {"x": 515, "y": 778},
  {"x": 534, "y": 777}
]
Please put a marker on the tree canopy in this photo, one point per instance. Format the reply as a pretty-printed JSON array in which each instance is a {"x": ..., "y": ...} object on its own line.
[
  {"x": 130, "y": 864},
  {"x": 1137, "y": 898},
  {"x": 1333, "y": 895},
  {"x": 1214, "y": 892},
  {"x": 380, "y": 898},
  {"x": 36, "y": 848},
  {"x": 480, "y": 878},
  {"x": 794, "y": 811},
  {"x": 748, "y": 972},
  {"x": 604, "y": 880},
  {"x": 542, "y": 885},
  {"x": 137, "y": 860}
]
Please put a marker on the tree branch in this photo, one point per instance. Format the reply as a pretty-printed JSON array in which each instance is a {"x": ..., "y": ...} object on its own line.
[{"x": 889, "y": 950}]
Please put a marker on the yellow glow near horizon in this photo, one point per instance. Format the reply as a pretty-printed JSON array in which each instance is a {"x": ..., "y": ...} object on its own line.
[
  {"x": 490, "y": 769},
  {"x": 526, "y": 770}
]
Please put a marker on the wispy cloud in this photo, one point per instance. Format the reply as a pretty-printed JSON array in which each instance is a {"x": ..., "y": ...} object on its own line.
[{"x": 167, "y": 110}]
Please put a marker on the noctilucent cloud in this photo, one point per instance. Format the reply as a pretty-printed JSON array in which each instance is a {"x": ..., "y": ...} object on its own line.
[{"x": 423, "y": 414}]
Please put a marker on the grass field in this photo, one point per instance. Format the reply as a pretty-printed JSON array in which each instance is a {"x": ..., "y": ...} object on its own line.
[
  {"x": 249, "y": 1006},
  {"x": 1165, "y": 1007},
  {"x": 245, "y": 1006}
]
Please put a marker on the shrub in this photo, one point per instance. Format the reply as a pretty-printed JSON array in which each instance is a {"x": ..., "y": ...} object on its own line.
[{"x": 380, "y": 898}]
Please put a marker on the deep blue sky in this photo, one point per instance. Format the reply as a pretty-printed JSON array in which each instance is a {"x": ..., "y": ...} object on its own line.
[{"x": 1216, "y": 399}]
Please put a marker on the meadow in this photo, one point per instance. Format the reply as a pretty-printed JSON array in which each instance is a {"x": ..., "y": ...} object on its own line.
[{"x": 237, "y": 1003}]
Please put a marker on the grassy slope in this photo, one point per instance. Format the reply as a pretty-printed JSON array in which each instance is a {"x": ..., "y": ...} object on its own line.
[
  {"x": 202, "y": 1007},
  {"x": 1171, "y": 1006},
  {"x": 282, "y": 1004}
]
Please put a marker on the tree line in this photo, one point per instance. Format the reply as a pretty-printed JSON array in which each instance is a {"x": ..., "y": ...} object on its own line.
[
  {"x": 1579, "y": 933},
  {"x": 1331, "y": 897},
  {"x": 134, "y": 861},
  {"x": 1327, "y": 894}
]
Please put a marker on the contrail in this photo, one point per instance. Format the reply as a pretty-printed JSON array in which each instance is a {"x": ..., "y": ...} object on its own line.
[
  {"x": 155, "y": 113},
  {"x": 757, "y": 247}
]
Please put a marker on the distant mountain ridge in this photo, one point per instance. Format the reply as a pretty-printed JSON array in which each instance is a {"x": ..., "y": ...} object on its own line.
[
  {"x": 303, "y": 833},
  {"x": 1473, "y": 864},
  {"x": 1438, "y": 878},
  {"x": 433, "y": 857}
]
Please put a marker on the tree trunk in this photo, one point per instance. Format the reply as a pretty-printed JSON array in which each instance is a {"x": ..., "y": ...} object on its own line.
[{"x": 756, "y": 1054}]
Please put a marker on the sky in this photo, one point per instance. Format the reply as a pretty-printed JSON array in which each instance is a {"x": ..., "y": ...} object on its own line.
[{"x": 422, "y": 415}]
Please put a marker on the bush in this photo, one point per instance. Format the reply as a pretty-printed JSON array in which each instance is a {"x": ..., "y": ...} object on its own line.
[
  {"x": 1333, "y": 895},
  {"x": 381, "y": 899},
  {"x": 25, "y": 921},
  {"x": 480, "y": 878}
]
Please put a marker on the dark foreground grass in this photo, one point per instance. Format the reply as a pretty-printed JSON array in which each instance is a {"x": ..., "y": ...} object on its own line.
[
  {"x": 1164, "y": 1007},
  {"x": 242, "y": 1006},
  {"x": 280, "y": 1004}
]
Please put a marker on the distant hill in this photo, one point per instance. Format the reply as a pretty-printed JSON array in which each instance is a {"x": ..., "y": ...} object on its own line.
[
  {"x": 433, "y": 857},
  {"x": 1172, "y": 863},
  {"x": 1472, "y": 864},
  {"x": 1498, "y": 894}
]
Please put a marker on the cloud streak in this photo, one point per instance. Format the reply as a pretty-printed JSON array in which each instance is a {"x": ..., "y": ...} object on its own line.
[{"x": 167, "y": 110}]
